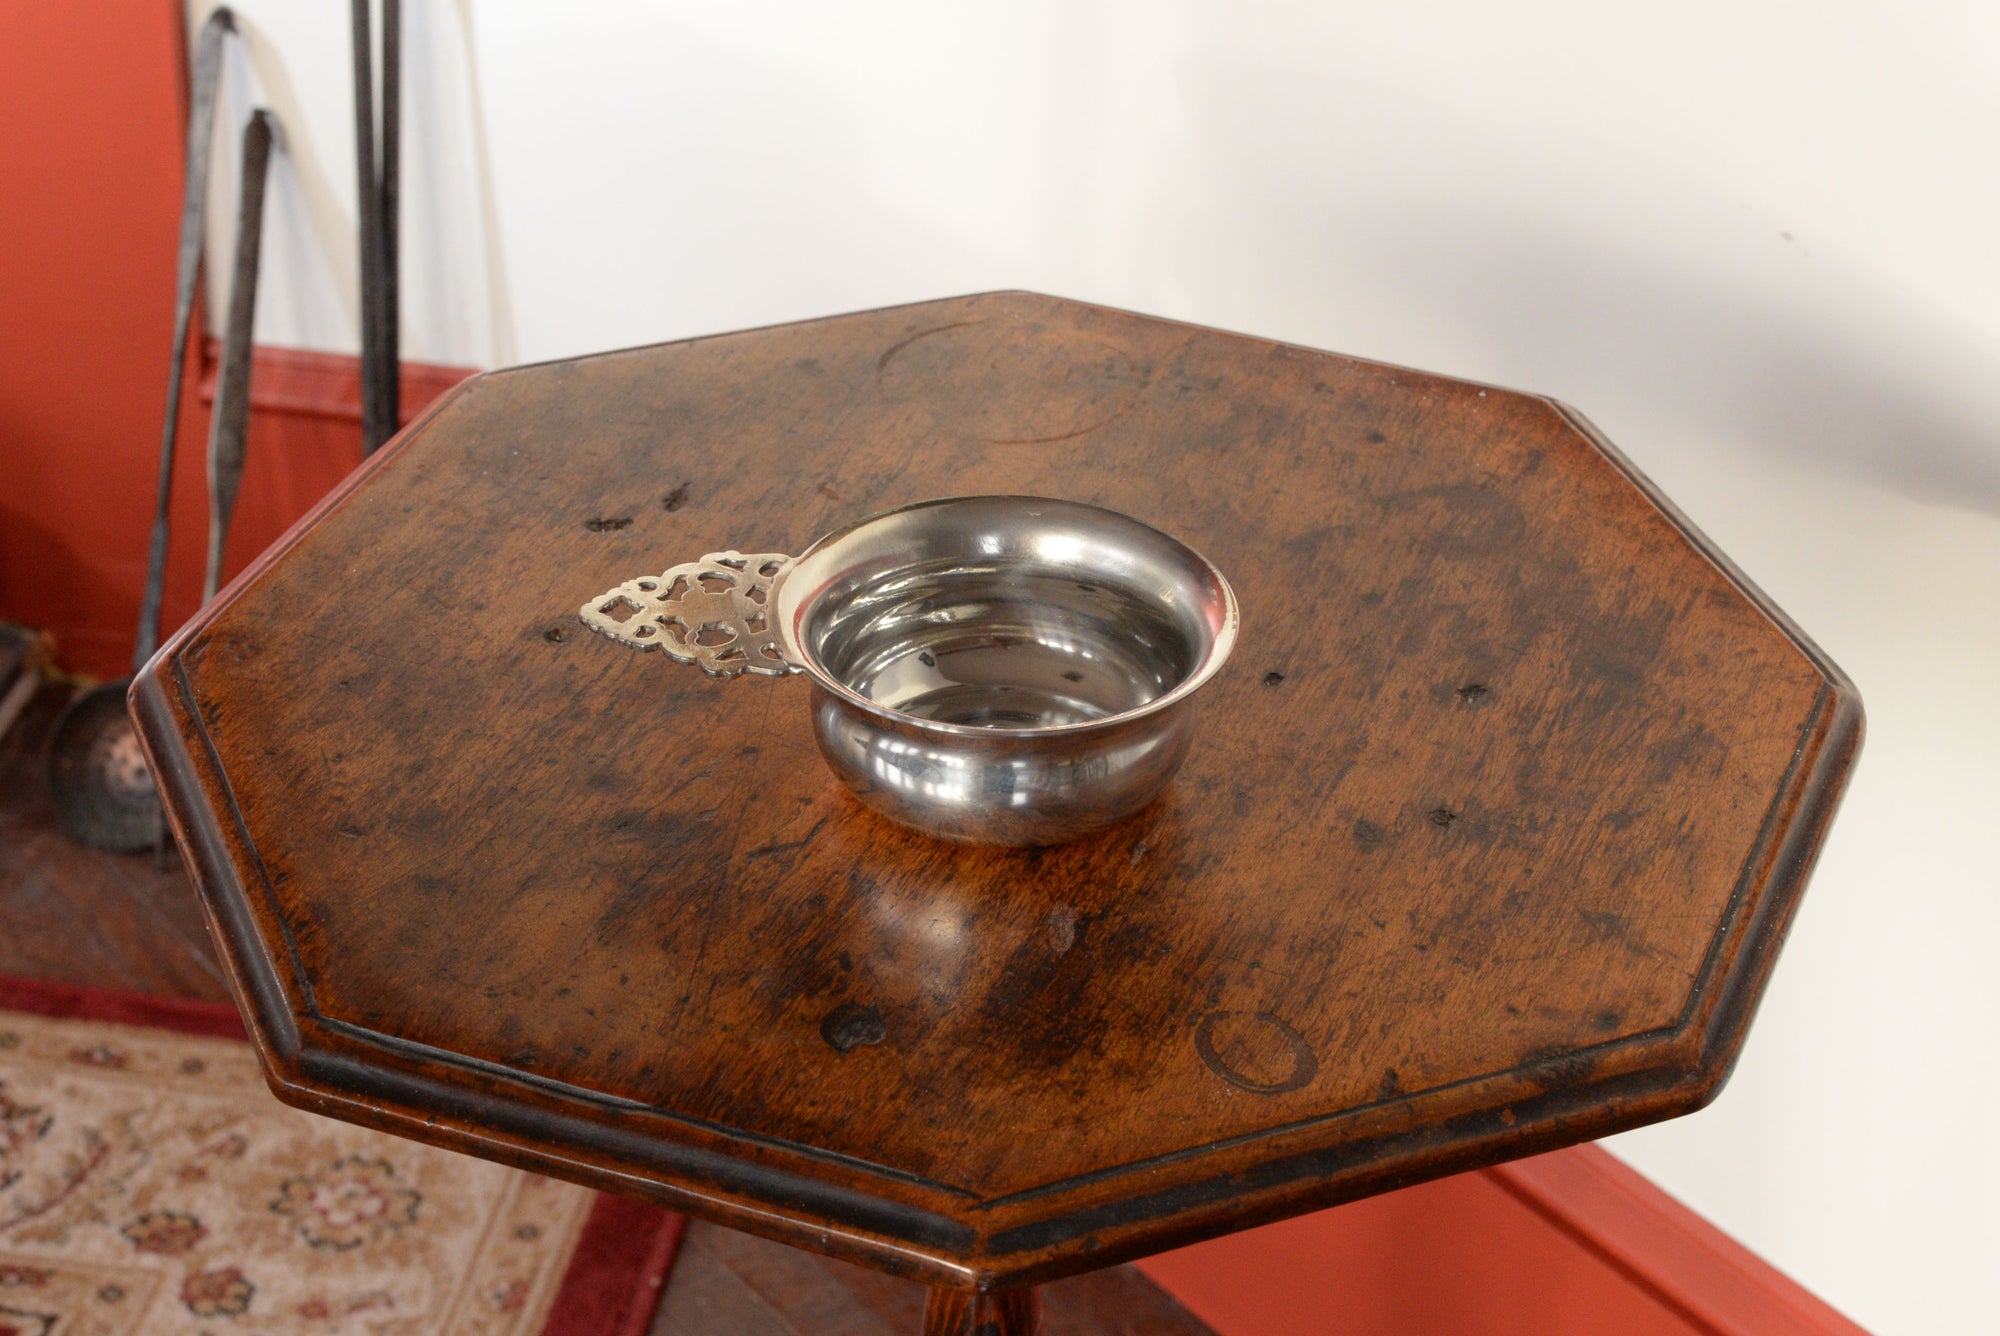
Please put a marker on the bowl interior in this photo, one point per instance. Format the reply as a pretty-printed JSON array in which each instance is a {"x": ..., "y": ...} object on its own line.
[{"x": 1006, "y": 612}]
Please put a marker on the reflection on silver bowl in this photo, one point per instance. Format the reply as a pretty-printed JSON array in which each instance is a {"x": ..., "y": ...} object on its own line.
[{"x": 996, "y": 670}]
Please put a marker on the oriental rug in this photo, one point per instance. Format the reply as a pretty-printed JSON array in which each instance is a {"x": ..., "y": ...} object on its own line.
[{"x": 151, "y": 1185}]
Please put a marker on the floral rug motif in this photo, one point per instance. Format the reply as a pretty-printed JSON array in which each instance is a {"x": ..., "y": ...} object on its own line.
[{"x": 151, "y": 1185}]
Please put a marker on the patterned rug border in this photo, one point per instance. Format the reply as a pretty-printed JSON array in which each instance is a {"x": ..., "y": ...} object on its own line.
[{"x": 622, "y": 1258}]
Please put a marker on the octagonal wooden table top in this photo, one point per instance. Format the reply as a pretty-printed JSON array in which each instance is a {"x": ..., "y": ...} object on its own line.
[{"x": 1487, "y": 841}]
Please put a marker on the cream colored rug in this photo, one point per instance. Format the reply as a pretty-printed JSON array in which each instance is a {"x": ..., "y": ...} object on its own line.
[{"x": 151, "y": 1184}]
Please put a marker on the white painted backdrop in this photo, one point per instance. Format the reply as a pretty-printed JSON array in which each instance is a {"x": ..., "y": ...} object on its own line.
[{"x": 1756, "y": 241}]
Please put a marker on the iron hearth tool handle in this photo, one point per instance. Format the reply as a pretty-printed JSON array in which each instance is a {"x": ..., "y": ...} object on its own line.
[
  {"x": 230, "y": 425},
  {"x": 378, "y": 173},
  {"x": 388, "y": 208},
  {"x": 194, "y": 202}
]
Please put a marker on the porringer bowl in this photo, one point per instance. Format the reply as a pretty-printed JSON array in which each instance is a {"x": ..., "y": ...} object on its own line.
[{"x": 1008, "y": 670}]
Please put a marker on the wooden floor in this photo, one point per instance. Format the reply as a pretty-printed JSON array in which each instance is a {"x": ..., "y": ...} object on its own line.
[
  {"x": 78, "y": 916},
  {"x": 73, "y": 914}
]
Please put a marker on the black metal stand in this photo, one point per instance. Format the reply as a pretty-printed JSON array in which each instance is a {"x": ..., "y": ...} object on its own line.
[{"x": 378, "y": 167}]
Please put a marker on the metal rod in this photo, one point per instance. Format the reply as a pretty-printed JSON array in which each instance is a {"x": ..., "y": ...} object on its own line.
[
  {"x": 229, "y": 427},
  {"x": 194, "y": 207},
  {"x": 389, "y": 186},
  {"x": 368, "y": 218}
]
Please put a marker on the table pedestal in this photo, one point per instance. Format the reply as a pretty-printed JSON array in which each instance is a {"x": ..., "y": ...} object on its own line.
[{"x": 962, "y": 1313}]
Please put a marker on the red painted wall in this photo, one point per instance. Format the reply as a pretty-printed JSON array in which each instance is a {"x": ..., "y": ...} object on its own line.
[
  {"x": 93, "y": 102},
  {"x": 1456, "y": 1256},
  {"x": 1574, "y": 1243},
  {"x": 91, "y": 98}
]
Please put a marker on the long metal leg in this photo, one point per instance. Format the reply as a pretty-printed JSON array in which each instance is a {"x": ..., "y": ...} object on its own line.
[
  {"x": 230, "y": 424},
  {"x": 368, "y": 224},
  {"x": 378, "y": 171},
  {"x": 963, "y": 1313},
  {"x": 389, "y": 203},
  {"x": 194, "y": 200}
]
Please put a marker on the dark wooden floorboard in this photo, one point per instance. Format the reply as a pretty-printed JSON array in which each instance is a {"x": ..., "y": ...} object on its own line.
[
  {"x": 726, "y": 1282},
  {"x": 75, "y": 915},
  {"x": 705, "y": 1294},
  {"x": 809, "y": 1293},
  {"x": 1117, "y": 1302}
]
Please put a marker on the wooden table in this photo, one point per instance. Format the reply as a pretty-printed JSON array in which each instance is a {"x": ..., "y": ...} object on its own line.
[{"x": 1488, "y": 840}]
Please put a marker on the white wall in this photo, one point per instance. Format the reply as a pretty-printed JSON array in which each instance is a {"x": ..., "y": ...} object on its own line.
[{"x": 1755, "y": 241}]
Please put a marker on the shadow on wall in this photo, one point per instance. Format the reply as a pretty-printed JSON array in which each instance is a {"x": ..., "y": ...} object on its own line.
[
  {"x": 1815, "y": 371},
  {"x": 305, "y": 216},
  {"x": 39, "y": 566},
  {"x": 773, "y": 207},
  {"x": 1335, "y": 205}
]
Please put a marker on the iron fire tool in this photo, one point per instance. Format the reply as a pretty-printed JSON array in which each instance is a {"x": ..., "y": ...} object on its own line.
[
  {"x": 103, "y": 792},
  {"x": 377, "y": 206},
  {"x": 229, "y": 426}
]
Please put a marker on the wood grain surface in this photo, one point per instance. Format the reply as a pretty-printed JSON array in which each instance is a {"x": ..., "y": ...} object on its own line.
[
  {"x": 1488, "y": 837},
  {"x": 126, "y": 922}
]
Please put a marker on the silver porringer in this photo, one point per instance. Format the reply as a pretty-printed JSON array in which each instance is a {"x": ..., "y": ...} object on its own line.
[{"x": 1006, "y": 670}]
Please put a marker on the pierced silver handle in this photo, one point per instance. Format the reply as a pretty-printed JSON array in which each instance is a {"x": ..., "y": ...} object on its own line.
[{"x": 713, "y": 613}]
